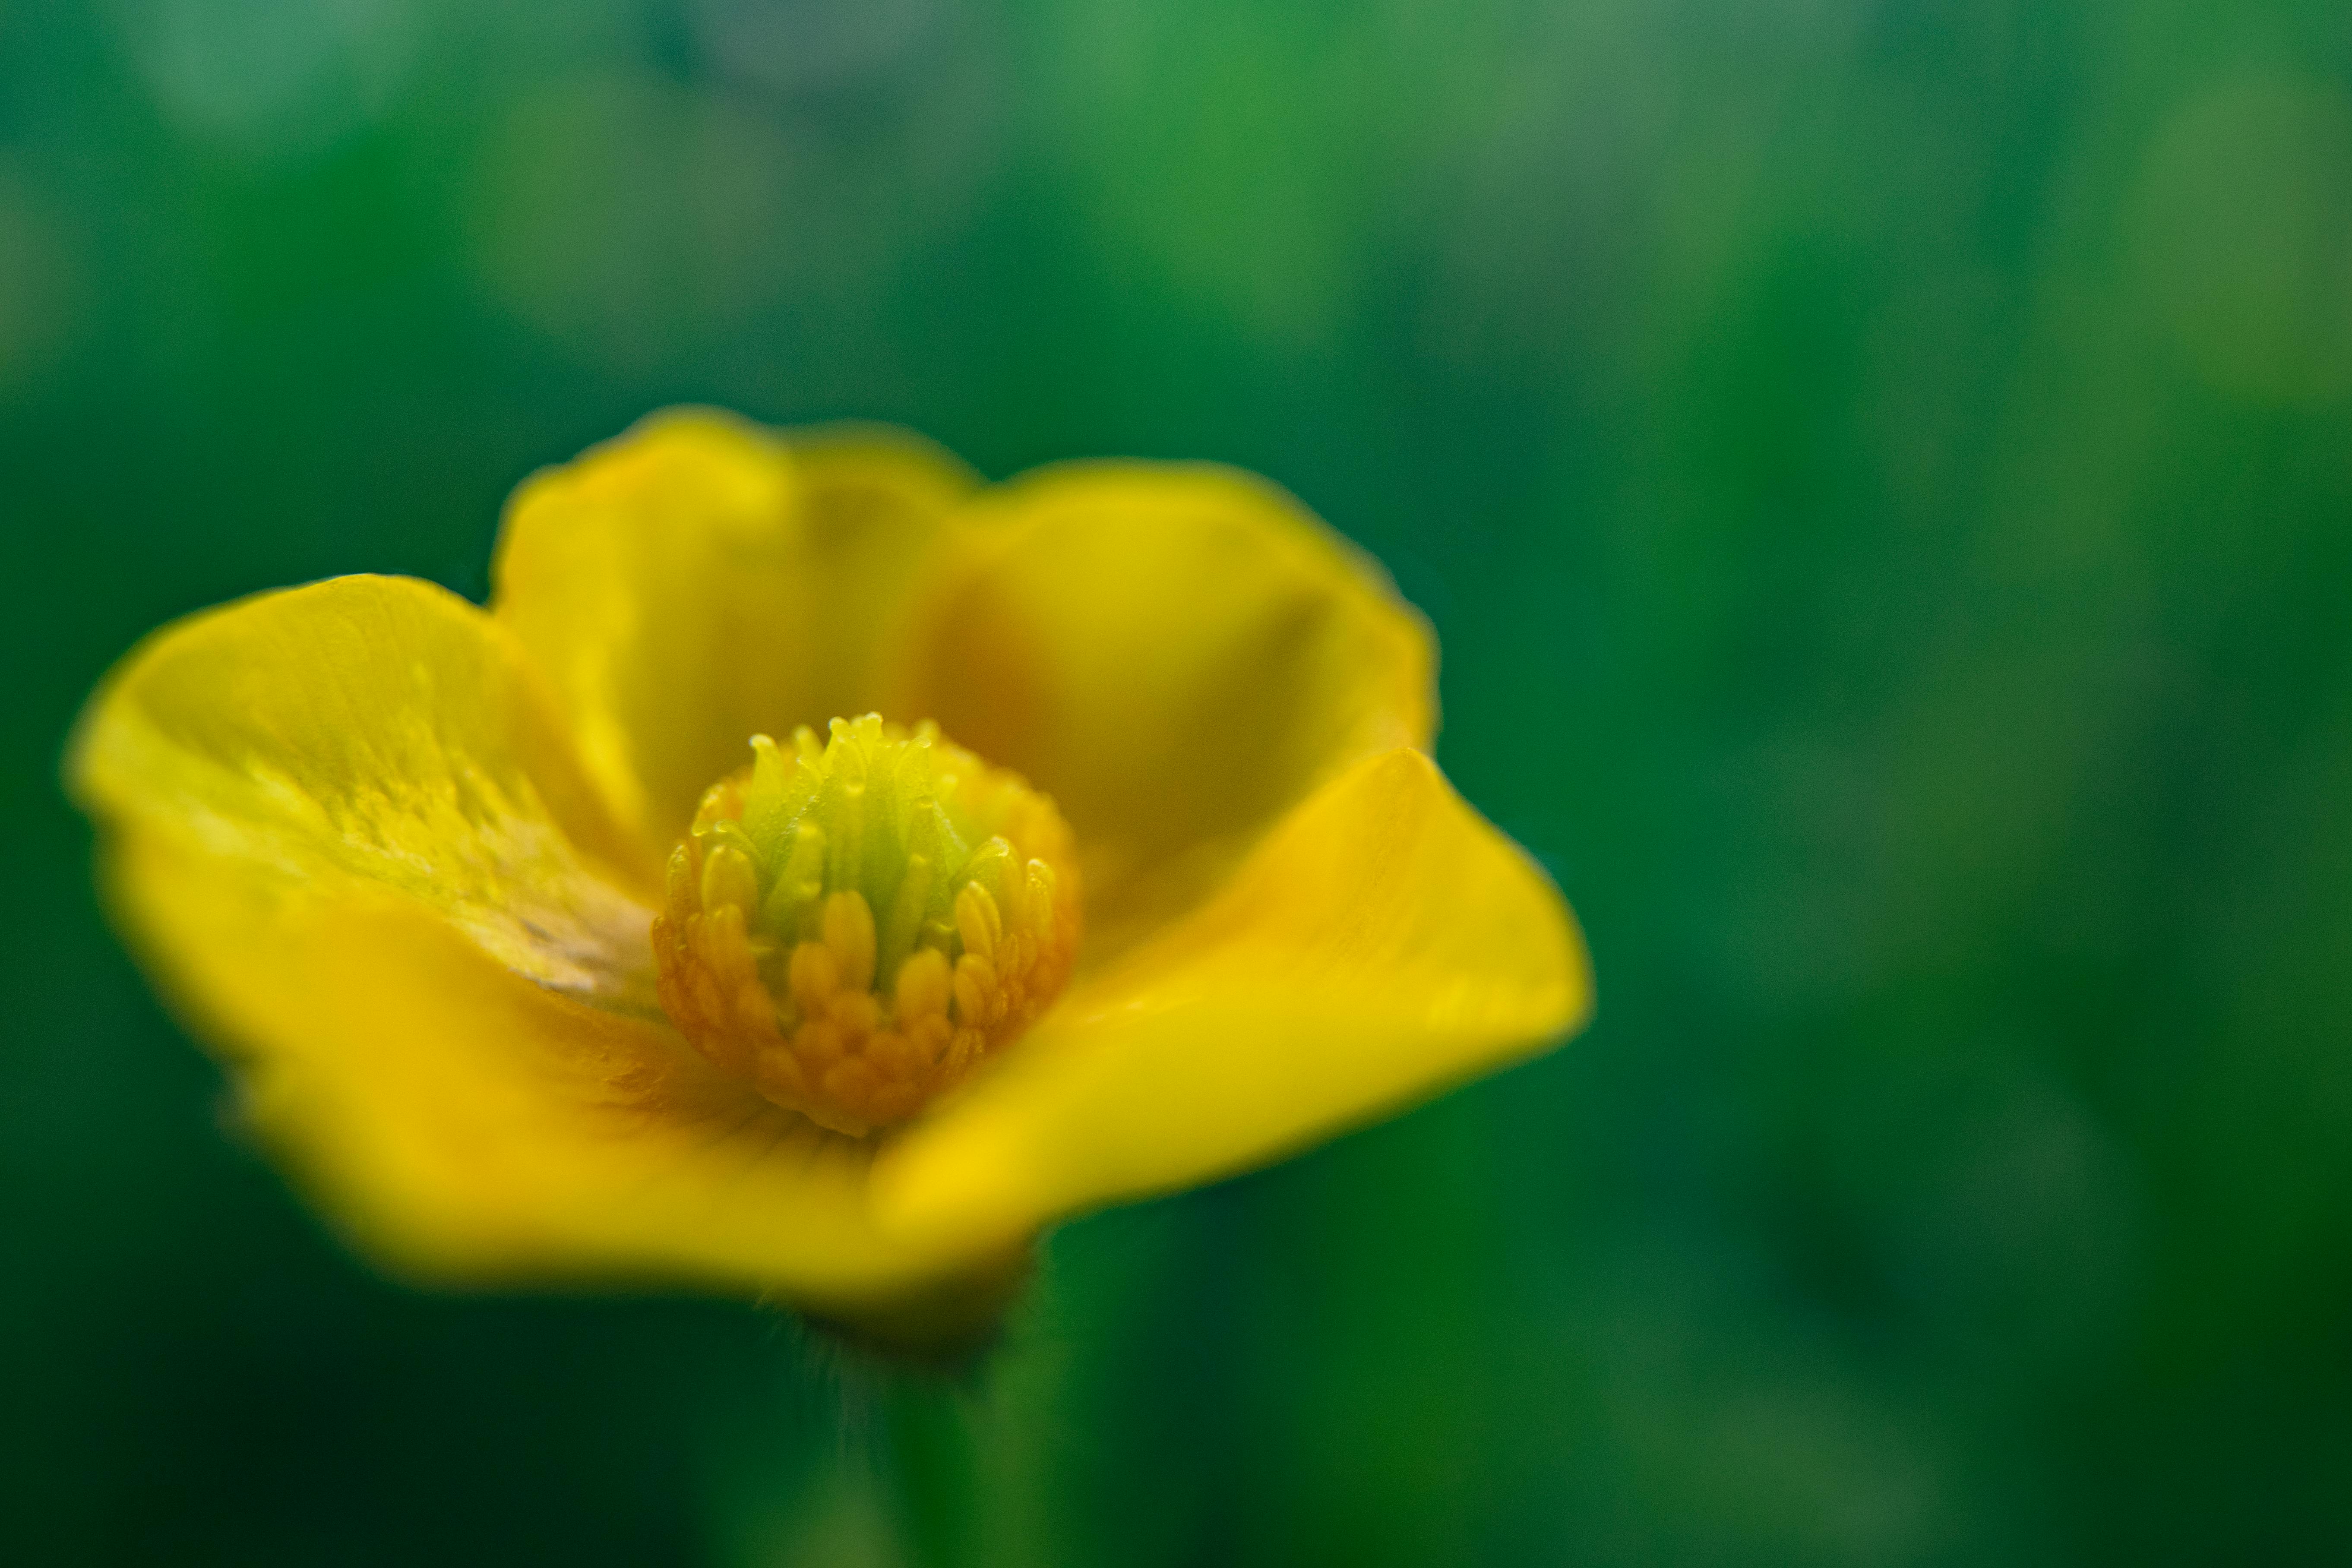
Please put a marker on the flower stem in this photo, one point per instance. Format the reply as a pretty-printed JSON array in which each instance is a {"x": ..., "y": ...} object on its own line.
[{"x": 927, "y": 1432}]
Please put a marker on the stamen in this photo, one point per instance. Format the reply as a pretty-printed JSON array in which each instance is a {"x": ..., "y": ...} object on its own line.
[{"x": 854, "y": 925}]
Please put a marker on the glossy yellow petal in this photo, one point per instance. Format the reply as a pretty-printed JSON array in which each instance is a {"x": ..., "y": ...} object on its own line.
[
  {"x": 1177, "y": 652},
  {"x": 1383, "y": 943},
  {"x": 371, "y": 733},
  {"x": 463, "y": 1124},
  {"x": 700, "y": 580},
  {"x": 348, "y": 835}
]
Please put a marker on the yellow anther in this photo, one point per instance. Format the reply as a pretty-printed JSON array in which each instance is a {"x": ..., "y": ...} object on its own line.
[
  {"x": 849, "y": 933},
  {"x": 815, "y": 974},
  {"x": 975, "y": 990},
  {"x": 977, "y": 921},
  {"x": 1039, "y": 900},
  {"x": 728, "y": 878},
  {"x": 851, "y": 1083},
  {"x": 923, "y": 985},
  {"x": 965, "y": 1049},
  {"x": 858, "y": 1012},
  {"x": 892, "y": 1054},
  {"x": 854, "y": 923}
]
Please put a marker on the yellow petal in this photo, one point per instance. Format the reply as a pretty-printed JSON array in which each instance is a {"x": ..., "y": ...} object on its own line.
[
  {"x": 375, "y": 733},
  {"x": 350, "y": 839},
  {"x": 1177, "y": 652},
  {"x": 1382, "y": 943},
  {"x": 461, "y": 1124},
  {"x": 700, "y": 580}
]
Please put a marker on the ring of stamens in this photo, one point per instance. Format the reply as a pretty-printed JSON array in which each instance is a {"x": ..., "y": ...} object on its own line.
[{"x": 854, "y": 926}]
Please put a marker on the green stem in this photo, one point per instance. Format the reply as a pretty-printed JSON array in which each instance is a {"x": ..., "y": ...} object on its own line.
[{"x": 928, "y": 1432}]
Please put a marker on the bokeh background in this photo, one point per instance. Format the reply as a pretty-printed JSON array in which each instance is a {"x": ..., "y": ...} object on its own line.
[{"x": 1880, "y": 470}]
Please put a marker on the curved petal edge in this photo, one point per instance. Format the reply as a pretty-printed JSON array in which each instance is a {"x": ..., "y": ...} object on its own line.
[{"x": 1384, "y": 943}]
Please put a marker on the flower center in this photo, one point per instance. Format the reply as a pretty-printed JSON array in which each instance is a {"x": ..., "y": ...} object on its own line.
[{"x": 854, "y": 926}]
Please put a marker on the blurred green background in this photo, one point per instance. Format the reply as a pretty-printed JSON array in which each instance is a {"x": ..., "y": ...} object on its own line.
[{"x": 1880, "y": 472}]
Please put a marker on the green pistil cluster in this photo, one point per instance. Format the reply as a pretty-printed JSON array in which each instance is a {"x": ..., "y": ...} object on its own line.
[{"x": 903, "y": 819}]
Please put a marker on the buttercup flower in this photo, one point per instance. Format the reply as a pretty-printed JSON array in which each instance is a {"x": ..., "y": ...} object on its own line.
[{"x": 815, "y": 873}]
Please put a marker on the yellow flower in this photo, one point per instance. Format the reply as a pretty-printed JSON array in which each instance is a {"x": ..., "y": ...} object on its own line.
[{"x": 566, "y": 941}]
